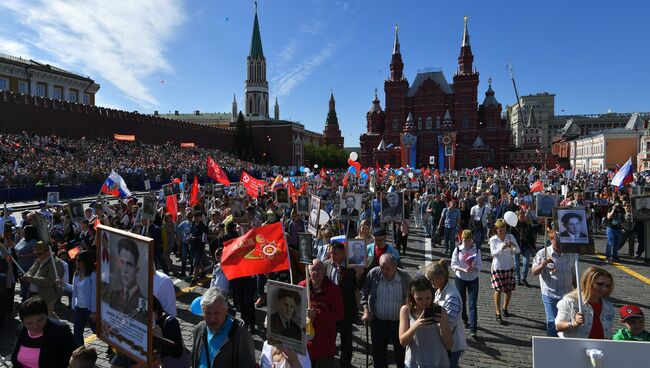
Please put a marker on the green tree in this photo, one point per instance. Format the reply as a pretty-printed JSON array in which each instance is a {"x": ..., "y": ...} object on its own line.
[
  {"x": 326, "y": 156},
  {"x": 241, "y": 136}
]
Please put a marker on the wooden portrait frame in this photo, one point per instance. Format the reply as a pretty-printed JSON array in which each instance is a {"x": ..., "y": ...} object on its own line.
[
  {"x": 105, "y": 331},
  {"x": 567, "y": 246}
]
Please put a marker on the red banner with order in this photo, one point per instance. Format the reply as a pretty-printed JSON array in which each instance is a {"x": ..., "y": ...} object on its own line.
[
  {"x": 216, "y": 172},
  {"x": 261, "y": 250}
]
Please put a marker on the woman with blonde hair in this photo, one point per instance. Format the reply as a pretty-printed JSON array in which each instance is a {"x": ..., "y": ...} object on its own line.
[
  {"x": 503, "y": 247},
  {"x": 364, "y": 231},
  {"x": 466, "y": 263},
  {"x": 449, "y": 299},
  {"x": 598, "y": 314}
]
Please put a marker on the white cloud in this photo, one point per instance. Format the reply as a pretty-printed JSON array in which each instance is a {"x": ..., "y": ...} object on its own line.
[
  {"x": 288, "y": 52},
  {"x": 288, "y": 80},
  {"x": 123, "y": 41},
  {"x": 14, "y": 48}
]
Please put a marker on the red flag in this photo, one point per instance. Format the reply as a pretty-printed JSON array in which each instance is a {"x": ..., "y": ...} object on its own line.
[
  {"x": 72, "y": 253},
  {"x": 292, "y": 191},
  {"x": 261, "y": 250},
  {"x": 345, "y": 180},
  {"x": 194, "y": 194},
  {"x": 254, "y": 187},
  {"x": 537, "y": 186},
  {"x": 216, "y": 173},
  {"x": 124, "y": 137},
  {"x": 172, "y": 206},
  {"x": 323, "y": 174}
]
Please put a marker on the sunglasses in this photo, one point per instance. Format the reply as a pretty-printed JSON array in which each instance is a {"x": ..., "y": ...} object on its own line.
[{"x": 603, "y": 285}]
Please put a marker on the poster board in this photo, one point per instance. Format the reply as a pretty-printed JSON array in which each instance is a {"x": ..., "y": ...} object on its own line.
[
  {"x": 314, "y": 214},
  {"x": 282, "y": 197},
  {"x": 125, "y": 260},
  {"x": 544, "y": 204},
  {"x": 302, "y": 205},
  {"x": 357, "y": 256},
  {"x": 392, "y": 207},
  {"x": 574, "y": 230},
  {"x": 52, "y": 198},
  {"x": 286, "y": 316},
  {"x": 350, "y": 206},
  {"x": 238, "y": 210},
  {"x": 40, "y": 222},
  {"x": 640, "y": 207},
  {"x": 570, "y": 352},
  {"x": 306, "y": 247},
  {"x": 149, "y": 208},
  {"x": 76, "y": 211}
]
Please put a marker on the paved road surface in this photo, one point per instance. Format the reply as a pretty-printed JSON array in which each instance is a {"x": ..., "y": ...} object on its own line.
[{"x": 497, "y": 346}]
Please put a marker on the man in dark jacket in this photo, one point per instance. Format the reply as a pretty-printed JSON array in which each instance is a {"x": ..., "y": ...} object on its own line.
[
  {"x": 228, "y": 343},
  {"x": 349, "y": 281}
]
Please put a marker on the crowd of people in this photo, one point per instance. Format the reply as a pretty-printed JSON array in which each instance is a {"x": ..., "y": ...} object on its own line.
[
  {"x": 27, "y": 159},
  {"x": 424, "y": 315}
]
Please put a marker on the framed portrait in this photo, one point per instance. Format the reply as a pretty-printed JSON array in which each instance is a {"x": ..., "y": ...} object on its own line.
[
  {"x": 350, "y": 206},
  {"x": 314, "y": 214},
  {"x": 207, "y": 188},
  {"x": 184, "y": 178},
  {"x": 76, "y": 211},
  {"x": 572, "y": 230},
  {"x": 167, "y": 190},
  {"x": 392, "y": 207},
  {"x": 238, "y": 210},
  {"x": 124, "y": 292},
  {"x": 149, "y": 208},
  {"x": 41, "y": 228},
  {"x": 356, "y": 253},
  {"x": 463, "y": 182},
  {"x": 147, "y": 184},
  {"x": 306, "y": 247},
  {"x": 286, "y": 316},
  {"x": 641, "y": 207},
  {"x": 282, "y": 197},
  {"x": 176, "y": 188},
  {"x": 52, "y": 198},
  {"x": 544, "y": 204},
  {"x": 302, "y": 205},
  {"x": 218, "y": 189}
]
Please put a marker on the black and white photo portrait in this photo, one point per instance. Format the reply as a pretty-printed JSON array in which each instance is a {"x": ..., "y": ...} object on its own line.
[
  {"x": 282, "y": 195},
  {"x": 544, "y": 205},
  {"x": 305, "y": 245},
  {"x": 287, "y": 308},
  {"x": 302, "y": 205},
  {"x": 350, "y": 206},
  {"x": 573, "y": 229},
  {"x": 52, "y": 198},
  {"x": 392, "y": 207}
]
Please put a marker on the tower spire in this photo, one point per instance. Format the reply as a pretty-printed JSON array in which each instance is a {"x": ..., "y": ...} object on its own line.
[
  {"x": 256, "y": 92},
  {"x": 465, "y": 33},
  {"x": 396, "y": 42},
  {"x": 256, "y": 40}
]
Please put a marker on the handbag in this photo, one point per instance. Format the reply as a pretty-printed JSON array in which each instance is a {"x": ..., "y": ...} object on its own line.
[{"x": 170, "y": 362}]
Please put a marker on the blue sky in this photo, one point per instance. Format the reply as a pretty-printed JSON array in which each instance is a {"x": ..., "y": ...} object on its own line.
[{"x": 190, "y": 55}]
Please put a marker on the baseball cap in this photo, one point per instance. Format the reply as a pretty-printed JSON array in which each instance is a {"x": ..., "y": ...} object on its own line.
[{"x": 630, "y": 311}]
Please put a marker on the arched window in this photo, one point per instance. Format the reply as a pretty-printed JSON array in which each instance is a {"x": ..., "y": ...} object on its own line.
[
  {"x": 534, "y": 140},
  {"x": 465, "y": 121},
  {"x": 437, "y": 122},
  {"x": 429, "y": 122},
  {"x": 395, "y": 126},
  {"x": 419, "y": 123}
]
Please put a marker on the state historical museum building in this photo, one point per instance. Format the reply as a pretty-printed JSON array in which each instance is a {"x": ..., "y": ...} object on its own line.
[{"x": 432, "y": 119}]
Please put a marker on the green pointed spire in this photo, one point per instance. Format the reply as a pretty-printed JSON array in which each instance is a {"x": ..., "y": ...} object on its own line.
[{"x": 256, "y": 41}]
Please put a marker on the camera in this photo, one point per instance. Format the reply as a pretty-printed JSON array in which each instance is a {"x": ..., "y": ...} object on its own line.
[{"x": 432, "y": 311}]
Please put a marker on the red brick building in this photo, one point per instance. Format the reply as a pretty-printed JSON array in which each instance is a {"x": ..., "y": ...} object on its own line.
[{"x": 446, "y": 118}]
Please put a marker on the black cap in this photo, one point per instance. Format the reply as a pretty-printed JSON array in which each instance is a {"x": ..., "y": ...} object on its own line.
[{"x": 379, "y": 232}]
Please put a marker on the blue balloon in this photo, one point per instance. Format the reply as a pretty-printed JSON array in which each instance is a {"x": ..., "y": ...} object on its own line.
[
  {"x": 181, "y": 185},
  {"x": 301, "y": 169},
  {"x": 352, "y": 170},
  {"x": 364, "y": 175},
  {"x": 195, "y": 307},
  {"x": 293, "y": 179},
  {"x": 513, "y": 193},
  {"x": 291, "y": 173}
]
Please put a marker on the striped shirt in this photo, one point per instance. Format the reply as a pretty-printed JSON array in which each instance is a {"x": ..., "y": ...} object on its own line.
[
  {"x": 556, "y": 284},
  {"x": 390, "y": 298}
]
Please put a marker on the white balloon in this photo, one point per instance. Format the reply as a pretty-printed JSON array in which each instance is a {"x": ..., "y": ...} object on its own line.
[
  {"x": 511, "y": 218},
  {"x": 307, "y": 170},
  {"x": 354, "y": 156},
  {"x": 324, "y": 217},
  {"x": 285, "y": 180},
  {"x": 411, "y": 175},
  {"x": 315, "y": 166}
]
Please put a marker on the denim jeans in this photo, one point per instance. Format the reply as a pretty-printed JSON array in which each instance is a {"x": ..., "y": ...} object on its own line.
[
  {"x": 479, "y": 235},
  {"x": 261, "y": 282},
  {"x": 454, "y": 358},
  {"x": 469, "y": 290},
  {"x": 613, "y": 239},
  {"x": 185, "y": 256},
  {"x": 81, "y": 317},
  {"x": 450, "y": 238},
  {"x": 550, "y": 308},
  {"x": 522, "y": 273}
]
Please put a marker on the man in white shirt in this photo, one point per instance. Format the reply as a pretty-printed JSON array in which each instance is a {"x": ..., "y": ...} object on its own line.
[{"x": 478, "y": 221}]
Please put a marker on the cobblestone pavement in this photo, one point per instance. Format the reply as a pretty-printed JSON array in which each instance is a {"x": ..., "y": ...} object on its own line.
[{"x": 507, "y": 345}]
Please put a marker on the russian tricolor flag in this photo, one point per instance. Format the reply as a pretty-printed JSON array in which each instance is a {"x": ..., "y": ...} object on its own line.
[
  {"x": 624, "y": 174},
  {"x": 115, "y": 185}
]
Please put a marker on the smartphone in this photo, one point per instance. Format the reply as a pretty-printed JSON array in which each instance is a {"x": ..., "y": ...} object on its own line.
[{"x": 432, "y": 311}]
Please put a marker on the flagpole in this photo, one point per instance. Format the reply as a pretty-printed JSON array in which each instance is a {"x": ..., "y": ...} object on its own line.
[{"x": 286, "y": 244}]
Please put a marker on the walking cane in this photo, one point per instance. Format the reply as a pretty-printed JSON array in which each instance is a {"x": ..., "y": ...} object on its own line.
[{"x": 367, "y": 344}]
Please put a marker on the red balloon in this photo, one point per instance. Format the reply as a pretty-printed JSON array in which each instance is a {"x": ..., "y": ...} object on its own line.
[{"x": 176, "y": 180}]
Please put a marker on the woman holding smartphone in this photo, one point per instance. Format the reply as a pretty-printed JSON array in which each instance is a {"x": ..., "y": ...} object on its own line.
[{"x": 423, "y": 328}]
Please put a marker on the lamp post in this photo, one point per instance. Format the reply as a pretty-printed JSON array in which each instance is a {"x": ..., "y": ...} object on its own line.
[{"x": 408, "y": 140}]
